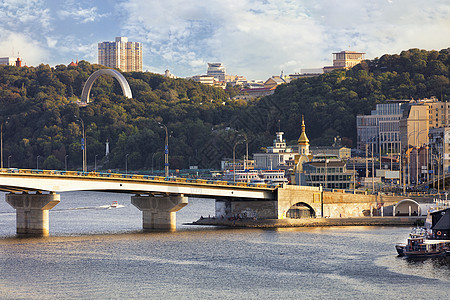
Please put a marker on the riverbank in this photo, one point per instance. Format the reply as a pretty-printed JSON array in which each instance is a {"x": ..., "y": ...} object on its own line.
[{"x": 311, "y": 222}]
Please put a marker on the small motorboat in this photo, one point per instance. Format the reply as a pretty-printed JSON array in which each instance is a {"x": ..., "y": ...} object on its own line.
[{"x": 114, "y": 204}]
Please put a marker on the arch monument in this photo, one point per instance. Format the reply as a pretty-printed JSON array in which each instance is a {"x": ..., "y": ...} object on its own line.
[{"x": 111, "y": 72}]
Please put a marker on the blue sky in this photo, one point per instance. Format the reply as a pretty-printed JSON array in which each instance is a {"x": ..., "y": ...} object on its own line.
[{"x": 254, "y": 38}]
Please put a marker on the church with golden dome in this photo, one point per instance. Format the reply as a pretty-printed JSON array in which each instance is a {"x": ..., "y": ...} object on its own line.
[
  {"x": 299, "y": 165},
  {"x": 279, "y": 156}
]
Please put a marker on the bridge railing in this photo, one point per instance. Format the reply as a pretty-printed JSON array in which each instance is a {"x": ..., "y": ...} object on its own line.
[{"x": 138, "y": 177}]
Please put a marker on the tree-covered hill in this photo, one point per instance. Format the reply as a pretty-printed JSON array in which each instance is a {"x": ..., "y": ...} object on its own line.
[
  {"x": 331, "y": 102},
  {"x": 41, "y": 120}
]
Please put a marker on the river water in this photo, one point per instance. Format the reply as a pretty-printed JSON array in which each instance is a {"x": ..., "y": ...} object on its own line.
[{"x": 97, "y": 252}]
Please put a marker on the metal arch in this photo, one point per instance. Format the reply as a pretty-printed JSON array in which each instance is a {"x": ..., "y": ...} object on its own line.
[{"x": 116, "y": 74}]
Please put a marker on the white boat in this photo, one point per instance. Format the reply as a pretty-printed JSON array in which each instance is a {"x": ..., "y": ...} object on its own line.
[
  {"x": 114, "y": 204},
  {"x": 256, "y": 176}
]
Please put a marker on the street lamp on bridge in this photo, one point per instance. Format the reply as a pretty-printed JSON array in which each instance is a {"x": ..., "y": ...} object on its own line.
[
  {"x": 1, "y": 142},
  {"x": 83, "y": 144},
  {"x": 166, "y": 150}
]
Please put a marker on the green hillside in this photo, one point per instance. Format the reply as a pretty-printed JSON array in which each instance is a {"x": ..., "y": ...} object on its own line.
[{"x": 41, "y": 118}]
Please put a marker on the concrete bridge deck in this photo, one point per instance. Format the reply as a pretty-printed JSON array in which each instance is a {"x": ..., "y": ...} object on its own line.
[
  {"x": 34, "y": 192},
  {"x": 24, "y": 180}
]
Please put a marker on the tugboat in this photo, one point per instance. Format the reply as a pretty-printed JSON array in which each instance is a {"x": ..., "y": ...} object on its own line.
[
  {"x": 114, "y": 204},
  {"x": 434, "y": 242},
  {"x": 416, "y": 232},
  {"x": 424, "y": 248}
]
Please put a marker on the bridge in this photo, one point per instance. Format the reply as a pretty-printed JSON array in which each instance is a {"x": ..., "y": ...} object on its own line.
[{"x": 34, "y": 192}]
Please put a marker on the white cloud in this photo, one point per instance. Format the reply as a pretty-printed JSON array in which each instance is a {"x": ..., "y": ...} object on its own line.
[
  {"x": 25, "y": 15},
  {"x": 82, "y": 15},
  {"x": 255, "y": 38},
  {"x": 31, "y": 51},
  {"x": 260, "y": 38}
]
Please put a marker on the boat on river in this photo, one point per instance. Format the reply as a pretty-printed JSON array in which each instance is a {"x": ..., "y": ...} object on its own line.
[
  {"x": 421, "y": 247},
  {"x": 431, "y": 241},
  {"x": 114, "y": 204},
  {"x": 416, "y": 232}
]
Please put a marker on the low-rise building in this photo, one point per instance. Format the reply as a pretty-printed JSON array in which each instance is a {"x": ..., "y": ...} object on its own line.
[
  {"x": 328, "y": 172},
  {"x": 275, "y": 156},
  {"x": 205, "y": 79},
  {"x": 339, "y": 152}
]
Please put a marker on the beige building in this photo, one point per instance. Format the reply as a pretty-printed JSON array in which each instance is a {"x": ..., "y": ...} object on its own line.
[
  {"x": 419, "y": 117},
  {"x": 121, "y": 54},
  {"x": 345, "y": 60},
  {"x": 205, "y": 79}
]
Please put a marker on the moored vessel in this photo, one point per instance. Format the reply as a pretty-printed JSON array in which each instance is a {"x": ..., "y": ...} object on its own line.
[{"x": 432, "y": 241}]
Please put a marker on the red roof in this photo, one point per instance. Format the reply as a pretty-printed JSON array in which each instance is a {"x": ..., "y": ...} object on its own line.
[{"x": 72, "y": 64}]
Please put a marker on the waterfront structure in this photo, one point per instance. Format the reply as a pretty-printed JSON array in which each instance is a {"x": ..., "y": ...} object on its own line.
[
  {"x": 216, "y": 70},
  {"x": 276, "y": 156},
  {"x": 159, "y": 199},
  {"x": 121, "y": 54},
  {"x": 344, "y": 60},
  {"x": 327, "y": 171}
]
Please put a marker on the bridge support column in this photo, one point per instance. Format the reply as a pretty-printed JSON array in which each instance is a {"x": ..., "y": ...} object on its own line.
[
  {"x": 32, "y": 212},
  {"x": 159, "y": 212}
]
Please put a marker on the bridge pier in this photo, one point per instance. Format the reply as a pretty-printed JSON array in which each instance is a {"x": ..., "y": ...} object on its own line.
[
  {"x": 32, "y": 212},
  {"x": 159, "y": 212}
]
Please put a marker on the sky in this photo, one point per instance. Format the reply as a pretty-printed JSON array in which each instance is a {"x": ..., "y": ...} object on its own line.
[{"x": 253, "y": 38}]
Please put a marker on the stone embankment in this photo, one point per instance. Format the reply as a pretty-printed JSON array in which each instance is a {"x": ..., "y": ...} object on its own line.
[{"x": 312, "y": 222}]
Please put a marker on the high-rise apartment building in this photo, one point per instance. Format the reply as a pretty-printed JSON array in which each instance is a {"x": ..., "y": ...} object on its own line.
[{"x": 121, "y": 54}]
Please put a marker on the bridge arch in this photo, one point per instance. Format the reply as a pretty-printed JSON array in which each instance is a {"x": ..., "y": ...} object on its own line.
[
  {"x": 111, "y": 72},
  {"x": 407, "y": 206},
  {"x": 300, "y": 210}
]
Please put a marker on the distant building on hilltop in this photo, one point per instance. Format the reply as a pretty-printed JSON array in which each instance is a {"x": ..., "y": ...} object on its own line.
[
  {"x": 73, "y": 64},
  {"x": 10, "y": 61},
  {"x": 121, "y": 54},
  {"x": 341, "y": 60},
  {"x": 344, "y": 60},
  {"x": 217, "y": 70},
  {"x": 169, "y": 75}
]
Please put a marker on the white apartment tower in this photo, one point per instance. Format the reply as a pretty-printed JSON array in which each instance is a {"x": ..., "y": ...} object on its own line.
[{"x": 121, "y": 54}]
